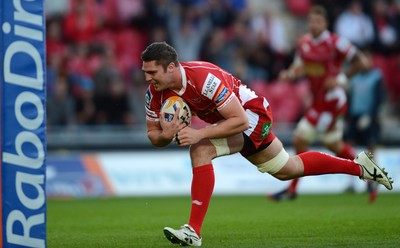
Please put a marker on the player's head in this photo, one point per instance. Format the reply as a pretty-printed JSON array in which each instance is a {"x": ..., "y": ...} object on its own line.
[
  {"x": 162, "y": 53},
  {"x": 159, "y": 63},
  {"x": 317, "y": 20}
]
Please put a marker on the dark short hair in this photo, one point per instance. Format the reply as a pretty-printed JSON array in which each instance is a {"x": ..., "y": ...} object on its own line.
[
  {"x": 319, "y": 10},
  {"x": 162, "y": 53}
]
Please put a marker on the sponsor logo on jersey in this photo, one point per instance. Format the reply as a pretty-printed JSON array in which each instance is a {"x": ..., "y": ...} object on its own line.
[
  {"x": 266, "y": 128},
  {"x": 210, "y": 86},
  {"x": 314, "y": 69},
  {"x": 222, "y": 95},
  {"x": 148, "y": 97},
  {"x": 151, "y": 113}
]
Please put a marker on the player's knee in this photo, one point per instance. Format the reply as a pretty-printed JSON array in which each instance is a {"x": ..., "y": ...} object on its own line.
[
  {"x": 293, "y": 168},
  {"x": 220, "y": 146},
  {"x": 203, "y": 149},
  {"x": 335, "y": 147},
  {"x": 332, "y": 138},
  {"x": 275, "y": 165},
  {"x": 304, "y": 134}
]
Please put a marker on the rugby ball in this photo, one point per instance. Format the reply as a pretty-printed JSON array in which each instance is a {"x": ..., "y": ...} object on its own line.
[{"x": 170, "y": 106}]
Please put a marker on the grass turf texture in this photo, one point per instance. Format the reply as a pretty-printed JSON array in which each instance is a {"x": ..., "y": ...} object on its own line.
[{"x": 345, "y": 220}]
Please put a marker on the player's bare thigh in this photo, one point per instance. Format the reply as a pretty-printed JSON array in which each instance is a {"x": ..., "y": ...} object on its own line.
[
  {"x": 206, "y": 150},
  {"x": 289, "y": 168}
]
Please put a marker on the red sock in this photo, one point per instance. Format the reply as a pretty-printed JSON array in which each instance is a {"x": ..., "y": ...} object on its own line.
[
  {"x": 202, "y": 189},
  {"x": 293, "y": 184},
  {"x": 347, "y": 152},
  {"x": 318, "y": 163}
]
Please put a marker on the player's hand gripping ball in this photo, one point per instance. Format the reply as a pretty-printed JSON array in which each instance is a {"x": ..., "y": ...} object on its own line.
[{"x": 170, "y": 106}]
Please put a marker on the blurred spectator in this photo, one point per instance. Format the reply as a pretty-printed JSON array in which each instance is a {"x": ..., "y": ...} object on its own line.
[
  {"x": 240, "y": 37},
  {"x": 77, "y": 60},
  {"x": 188, "y": 30},
  {"x": 393, "y": 78},
  {"x": 238, "y": 6},
  {"x": 105, "y": 73},
  {"x": 137, "y": 96},
  {"x": 129, "y": 43},
  {"x": 221, "y": 14},
  {"x": 56, "y": 8},
  {"x": 387, "y": 27},
  {"x": 158, "y": 12},
  {"x": 85, "y": 108},
  {"x": 110, "y": 92},
  {"x": 60, "y": 105},
  {"x": 130, "y": 10},
  {"x": 228, "y": 47},
  {"x": 55, "y": 44},
  {"x": 107, "y": 13},
  {"x": 218, "y": 49},
  {"x": 80, "y": 24},
  {"x": 159, "y": 33},
  {"x": 355, "y": 25},
  {"x": 270, "y": 47},
  {"x": 270, "y": 29},
  {"x": 56, "y": 50},
  {"x": 366, "y": 95},
  {"x": 114, "y": 109},
  {"x": 299, "y": 7},
  {"x": 241, "y": 69}
]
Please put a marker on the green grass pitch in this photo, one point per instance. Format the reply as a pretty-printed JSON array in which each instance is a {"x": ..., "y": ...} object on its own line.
[{"x": 345, "y": 220}]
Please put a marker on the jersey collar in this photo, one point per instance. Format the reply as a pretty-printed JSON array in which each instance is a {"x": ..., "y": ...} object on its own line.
[
  {"x": 184, "y": 82},
  {"x": 323, "y": 36}
]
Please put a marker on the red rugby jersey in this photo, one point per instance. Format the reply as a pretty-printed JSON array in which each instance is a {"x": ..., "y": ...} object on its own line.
[
  {"x": 206, "y": 89},
  {"x": 323, "y": 57}
]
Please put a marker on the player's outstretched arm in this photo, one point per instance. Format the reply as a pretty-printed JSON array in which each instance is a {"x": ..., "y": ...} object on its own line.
[
  {"x": 358, "y": 63},
  {"x": 235, "y": 122},
  {"x": 295, "y": 71}
]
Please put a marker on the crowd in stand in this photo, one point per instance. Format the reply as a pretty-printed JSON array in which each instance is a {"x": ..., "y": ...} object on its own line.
[{"x": 94, "y": 72}]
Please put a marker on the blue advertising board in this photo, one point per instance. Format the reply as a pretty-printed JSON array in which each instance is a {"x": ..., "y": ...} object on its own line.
[{"x": 23, "y": 118}]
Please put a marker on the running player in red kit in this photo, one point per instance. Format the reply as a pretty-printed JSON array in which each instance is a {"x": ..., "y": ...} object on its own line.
[
  {"x": 320, "y": 56},
  {"x": 241, "y": 122}
]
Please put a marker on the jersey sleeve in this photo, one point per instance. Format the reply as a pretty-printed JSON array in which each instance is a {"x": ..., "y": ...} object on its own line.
[
  {"x": 300, "y": 46},
  {"x": 152, "y": 105},
  {"x": 297, "y": 60},
  {"x": 216, "y": 87},
  {"x": 344, "y": 48}
]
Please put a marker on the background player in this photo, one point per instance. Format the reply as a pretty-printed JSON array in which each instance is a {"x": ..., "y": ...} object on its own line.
[
  {"x": 320, "y": 57},
  {"x": 366, "y": 95},
  {"x": 242, "y": 123}
]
